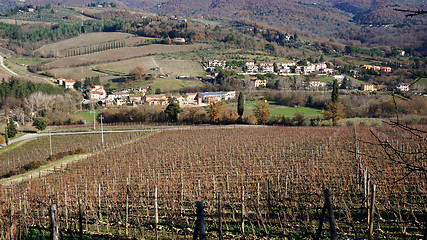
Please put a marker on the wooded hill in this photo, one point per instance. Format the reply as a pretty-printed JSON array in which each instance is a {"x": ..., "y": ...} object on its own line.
[{"x": 362, "y": 22}]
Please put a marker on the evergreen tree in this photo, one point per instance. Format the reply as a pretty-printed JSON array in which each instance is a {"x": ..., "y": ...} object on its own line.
[
  {"x": 172, "y": 110},
  {"x": 11, "y": 128},
  {"x": 334, "y": 108},
  {"x": 6, "y": 138},
  {"x": 240, "y": 104},
  {"x": 335, "y": 92}
]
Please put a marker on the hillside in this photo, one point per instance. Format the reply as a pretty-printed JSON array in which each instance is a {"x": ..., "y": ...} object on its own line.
[{"x": 363, "y": 22}]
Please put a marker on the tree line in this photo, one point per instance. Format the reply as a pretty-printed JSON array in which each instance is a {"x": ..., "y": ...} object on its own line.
[{"x": 16, "y": 88}]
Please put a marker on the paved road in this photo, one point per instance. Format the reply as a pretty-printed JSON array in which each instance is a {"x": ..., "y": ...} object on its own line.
[
  {"x": 4, "y": 66},
  {"x": 36, "y": 135}
]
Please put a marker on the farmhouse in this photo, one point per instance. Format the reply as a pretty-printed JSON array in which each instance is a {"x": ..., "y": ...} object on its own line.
[
  {"x": 386, "y": 69},
  {"x": 156, "y": 100},
  {"x": 68, "y": 83},
  {"x": 60, "y": 81},
  {"x": 258, "y": 82},
  {"x": 404, "y": 87},
  {"x": 315, "y": 83},
  {"x": 97, "y": 93},
  {"x": 368, "y": 87},
  {"x": 214, "y": 97},
  {"x": 189, "y": 100},
  {"x": 213, "y": 63}
]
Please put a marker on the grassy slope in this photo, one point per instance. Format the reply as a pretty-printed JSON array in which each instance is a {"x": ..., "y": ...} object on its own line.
[
  {"x": 88, "y": 39},
  {"x": 278, "y": 110}
]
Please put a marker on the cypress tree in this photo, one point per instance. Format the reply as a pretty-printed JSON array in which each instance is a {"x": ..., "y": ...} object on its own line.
[
  {"x": 6, "y": 138},
  {"x": 335, "y": 92},
  {"x": 11, "y": 128},
  {"x": 240, "y": 104}
]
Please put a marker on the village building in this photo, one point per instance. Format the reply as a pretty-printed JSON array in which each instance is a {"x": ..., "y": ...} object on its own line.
[
  {"x": 251, "y": 67},
  {"x": 368, "y": 87},
  {"x": 404, "y": 87},
  {"x": 386, "y": 69},
  {"x": 316, "y": 83},
  {"x": 156, "y": 100},
  {"x": 266, "y": 67},
  {"x": 212, "y": 97},
  {"x": 136, "y": 98},
  {"x": 60, "y": 81},
  {"x": 68, "y": 83},
  {"x": 213, "y": 63},
  {"x": 97, "y": 93},
  {"x": 258, "y": 82}
]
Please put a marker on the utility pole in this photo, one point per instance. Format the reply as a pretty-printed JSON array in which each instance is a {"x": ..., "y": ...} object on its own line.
[
  {"x": 23, "y": 120},
  {"x": 50, "y": 142},
  {"x": 102, "y": 129}
]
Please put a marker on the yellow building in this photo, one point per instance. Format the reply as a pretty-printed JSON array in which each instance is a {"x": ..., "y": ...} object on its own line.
[{"x": 368, "y": 87}]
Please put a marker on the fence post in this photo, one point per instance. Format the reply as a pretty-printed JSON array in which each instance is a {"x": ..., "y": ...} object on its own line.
[
  {"x": 330, "y": 208},
  {"x": 54, "y": 222},
  {"x": 200, "y": 222},
  {"x": 80, "y": 220},
  {"x": 322, "y": 216},
  {"x": 371, "y": 213}
]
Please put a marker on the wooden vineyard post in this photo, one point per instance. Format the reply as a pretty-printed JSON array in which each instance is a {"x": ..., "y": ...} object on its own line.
[
  {"x": 243, "y": 210},
  {"x": 328, "y": 206},
  {"x": 54, "y": 228},
  {"x": 219, "y": 217},
  {"x": 371, "y": 213},
  {"x": 99, "y": 208},
  {"x": 200, "y": 223},
  {"x": 66, "y": 210},
  {"x": 12, "y": 226},
  {"x": 127, "y": 207},
  {"x": 156, "y": 210},
  {"x": 80, "y": 219}
]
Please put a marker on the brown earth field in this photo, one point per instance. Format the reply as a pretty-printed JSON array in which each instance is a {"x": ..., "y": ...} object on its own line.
[
  {"x": 171, "y": 67},
  {"x": 120, "y": 54},
  {"x": 84, "y": 40}
]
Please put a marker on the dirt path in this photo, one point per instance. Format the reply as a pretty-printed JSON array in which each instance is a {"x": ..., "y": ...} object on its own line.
[
  {"x": 46, "y": 169},
  {"x": 4, "y": 66}
]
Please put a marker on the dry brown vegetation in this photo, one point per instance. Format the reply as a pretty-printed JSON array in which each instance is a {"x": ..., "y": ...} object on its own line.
[
  {"x": 121, "y": 54},
  {"x": 279, "y": 172}
]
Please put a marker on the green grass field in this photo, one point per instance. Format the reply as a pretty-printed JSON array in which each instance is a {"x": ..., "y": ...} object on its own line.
[
  {"x": 278, "y": 110},
  {"x": 27, "y": 61},
  {"x": 88, "y": 116}
]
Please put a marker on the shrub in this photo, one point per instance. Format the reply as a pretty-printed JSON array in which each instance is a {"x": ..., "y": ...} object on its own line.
[
  {"x": 252, "y": 120},
  {"x": 2, "y": 140},
  {"x": 40, "y": 124},
  {"x": 349, "y": 123}
]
